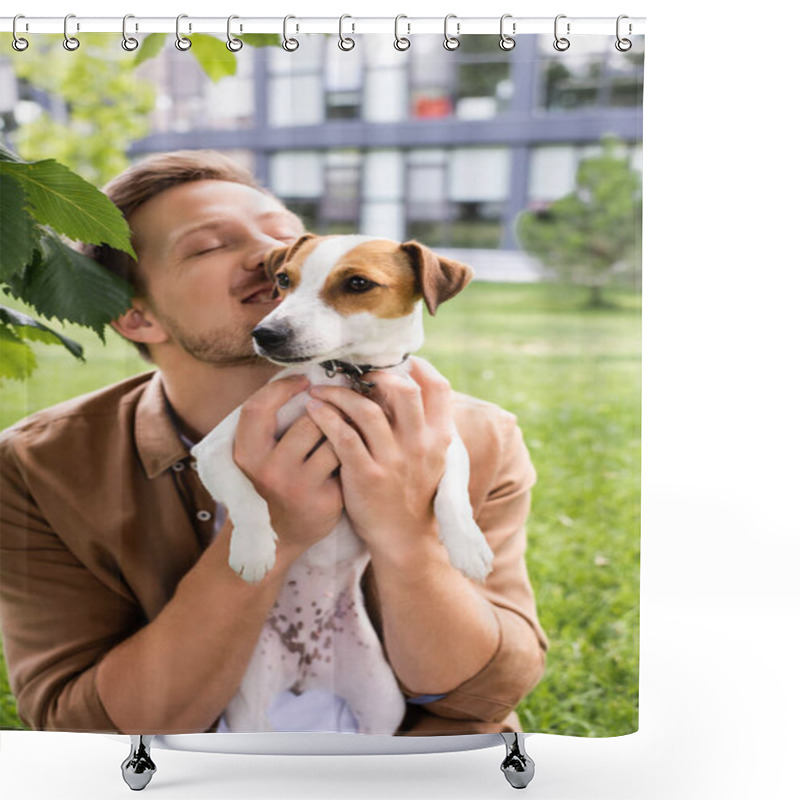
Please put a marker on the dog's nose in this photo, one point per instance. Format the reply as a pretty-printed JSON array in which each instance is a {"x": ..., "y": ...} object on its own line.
[{"x": 271, "y": 338}]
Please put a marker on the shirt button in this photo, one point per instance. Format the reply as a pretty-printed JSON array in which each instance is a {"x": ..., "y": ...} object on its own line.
[
  {"x": 204, "y": 516},
  {"x": 179, "y": 466}
]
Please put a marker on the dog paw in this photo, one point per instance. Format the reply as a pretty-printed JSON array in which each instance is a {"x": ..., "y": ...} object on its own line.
[
  {"x": 252, "y": 563},
  {"x": 474, "y": 558},
  {"x": 249, "y": 571}
]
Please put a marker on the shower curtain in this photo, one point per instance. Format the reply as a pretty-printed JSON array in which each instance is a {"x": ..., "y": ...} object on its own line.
[{"x": 522, "y": 162}]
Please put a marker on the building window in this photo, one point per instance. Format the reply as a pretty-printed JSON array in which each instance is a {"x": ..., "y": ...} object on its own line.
[
  {"x": 297, "y": 178},
  {"x": 477, "y": 225},
  {"x": 340, "y": 209},
  {"x": 344, "y": 81},
  {"x": 428, "y": 214},
  {"x": 483, "y": 79},
  {"x": 456, "y": 198},
  {"x": 479, "y": 182},
  {"x": 385, "y": 81},
  {"x": 307, "y": 209},
  {"x": 296, "y": 95},
  {"x": 473, "y": 82},
  {"x": 593, "y": 74}
]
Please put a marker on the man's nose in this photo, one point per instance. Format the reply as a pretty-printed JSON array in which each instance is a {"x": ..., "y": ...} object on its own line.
[
  {"x": 257, "y": 259},
  {"x": 259, "y": 247},
  {"x": 272, "y": 337}
]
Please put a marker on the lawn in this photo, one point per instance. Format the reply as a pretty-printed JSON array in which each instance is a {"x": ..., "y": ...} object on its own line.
[{"x": 573, "y": 378}]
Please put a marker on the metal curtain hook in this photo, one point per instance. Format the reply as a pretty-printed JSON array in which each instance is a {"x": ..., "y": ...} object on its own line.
[
  {"x": 451, "y": 42},
  {"x": 623, "y": 45},
  {"x": 233, "y": 44},
  {"x": 346, "y": 43},
  {"x": 288, "y": 44},
  {"x": 507, "y": 42},
  {"x": 129, "y": 43},
  {"x": 70, "y": 42},
  {"x": 19, "y": 44},
  {"x": 181, "y": 42},
  {"x": 561, "y": 43},
  {"x": 401, "y": 42}
]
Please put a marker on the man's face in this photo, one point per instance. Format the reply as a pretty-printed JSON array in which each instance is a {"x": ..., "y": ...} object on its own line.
[{"x": 201, "y": 247}]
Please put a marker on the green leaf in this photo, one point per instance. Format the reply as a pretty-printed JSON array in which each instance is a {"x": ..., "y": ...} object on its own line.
[
  {"x": 63, "y": 284},
  {"x": 260, "y": 39},
  {"x": 17, "y": 360},
  {"x": 213, "y": 56},
  {"x": 17, "y": 228},
  {"x": 69, "y": 204},
  {"x": 149, "y": 47},
  {"x": 30, "y": 328}
]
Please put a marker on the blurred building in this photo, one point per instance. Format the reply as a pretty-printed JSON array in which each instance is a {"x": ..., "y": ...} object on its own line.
[{"x": 446, "y": 147}]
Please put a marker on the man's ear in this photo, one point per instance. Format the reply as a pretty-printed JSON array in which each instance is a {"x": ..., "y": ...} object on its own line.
[
  {"x": 438, "y": 279},
  {"x": 276, "y": 258},
  {"x": 139, "y": 325}
]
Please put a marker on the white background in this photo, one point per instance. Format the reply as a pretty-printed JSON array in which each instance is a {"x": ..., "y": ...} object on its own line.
[{"x": 720, "y": 604}]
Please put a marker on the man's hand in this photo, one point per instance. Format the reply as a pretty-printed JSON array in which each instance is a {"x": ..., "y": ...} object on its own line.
[
  {"x": 293, "y": 474},
  {"x": 392, "y": 448}
]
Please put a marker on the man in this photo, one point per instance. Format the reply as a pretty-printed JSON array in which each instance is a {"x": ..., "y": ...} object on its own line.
[{"x": 119, "y": 609}]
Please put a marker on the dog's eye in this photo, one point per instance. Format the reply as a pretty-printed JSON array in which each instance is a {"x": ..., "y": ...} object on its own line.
[
  {"x": 358, "y": 284},
  {"x": 283, "y": 281}
]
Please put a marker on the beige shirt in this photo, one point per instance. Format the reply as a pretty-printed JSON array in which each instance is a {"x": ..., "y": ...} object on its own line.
[{"x": 102, "y": 513}]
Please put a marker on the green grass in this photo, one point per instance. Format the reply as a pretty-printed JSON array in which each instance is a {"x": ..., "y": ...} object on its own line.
[{"x": 573, "y": 378}]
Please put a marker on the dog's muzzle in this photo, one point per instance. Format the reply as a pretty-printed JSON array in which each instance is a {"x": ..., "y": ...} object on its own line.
[{"x": 272, "y": 339}]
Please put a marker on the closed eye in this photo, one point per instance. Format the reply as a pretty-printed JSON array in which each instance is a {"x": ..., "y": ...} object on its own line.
[{"x": 207, "y": 250}]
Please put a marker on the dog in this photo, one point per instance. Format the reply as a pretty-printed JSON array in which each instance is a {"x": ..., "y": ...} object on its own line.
[{"x": 349, "y": 305}]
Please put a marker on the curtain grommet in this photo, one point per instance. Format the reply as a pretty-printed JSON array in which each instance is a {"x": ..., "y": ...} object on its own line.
[
  {"x": 233, "y": 44},
  {"x": 401, "y": 43},
  {"x": 622, "y": 44},
  {"x": 70, "y": 42},
  {"x": 18, "y": 43},
  {"x": 129, "y": 43},
  {"x": 561, "y": 43},
  {"x": 181, "y": 42},
  {"x": 507, "y": 42},
  {"x": 289, "y": 44},
  {"x": 451, "y": 42},
  {"x": 345, "y": 42}
]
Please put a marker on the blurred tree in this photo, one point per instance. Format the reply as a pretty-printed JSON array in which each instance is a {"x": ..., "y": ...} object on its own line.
[
  {"x": 78, "y": 115},
  {"x": 96, "y": 105},
  {"x": 586, "y": 234}
]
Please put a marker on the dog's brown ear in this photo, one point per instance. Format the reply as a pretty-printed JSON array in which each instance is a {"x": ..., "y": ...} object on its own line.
[
  {"x": 276, "y": 258},
  {"x": 438, "y": 278}
]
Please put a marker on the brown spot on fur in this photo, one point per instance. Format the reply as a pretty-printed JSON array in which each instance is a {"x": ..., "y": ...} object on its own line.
[{"x": 385, "y": 264}]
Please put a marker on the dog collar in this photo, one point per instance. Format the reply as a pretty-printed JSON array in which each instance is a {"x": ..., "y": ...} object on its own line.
[{"x": 356, "y": 372}]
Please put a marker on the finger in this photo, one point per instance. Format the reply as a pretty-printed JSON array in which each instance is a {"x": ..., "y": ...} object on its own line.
[
  {"x": 258, "y": 420},
  {"x": 322, "y": 462},
  {"x": 364, "y": 414},
  {"x": 299, "y": 441},
  {"x": 342, "y": 436},
  {"x": 437, "y": 394},
  {"x": 401, "y": 399}
]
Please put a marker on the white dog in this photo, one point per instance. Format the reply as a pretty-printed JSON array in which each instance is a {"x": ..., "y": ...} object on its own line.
[{"x": 350, "y": 305}]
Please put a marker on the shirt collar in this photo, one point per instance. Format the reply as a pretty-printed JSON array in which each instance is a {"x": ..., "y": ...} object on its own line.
[{"x": 157, "y": 440}]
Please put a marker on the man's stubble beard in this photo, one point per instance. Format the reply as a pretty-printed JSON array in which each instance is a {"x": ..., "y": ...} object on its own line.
[{"x": 220, "y": 348}]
